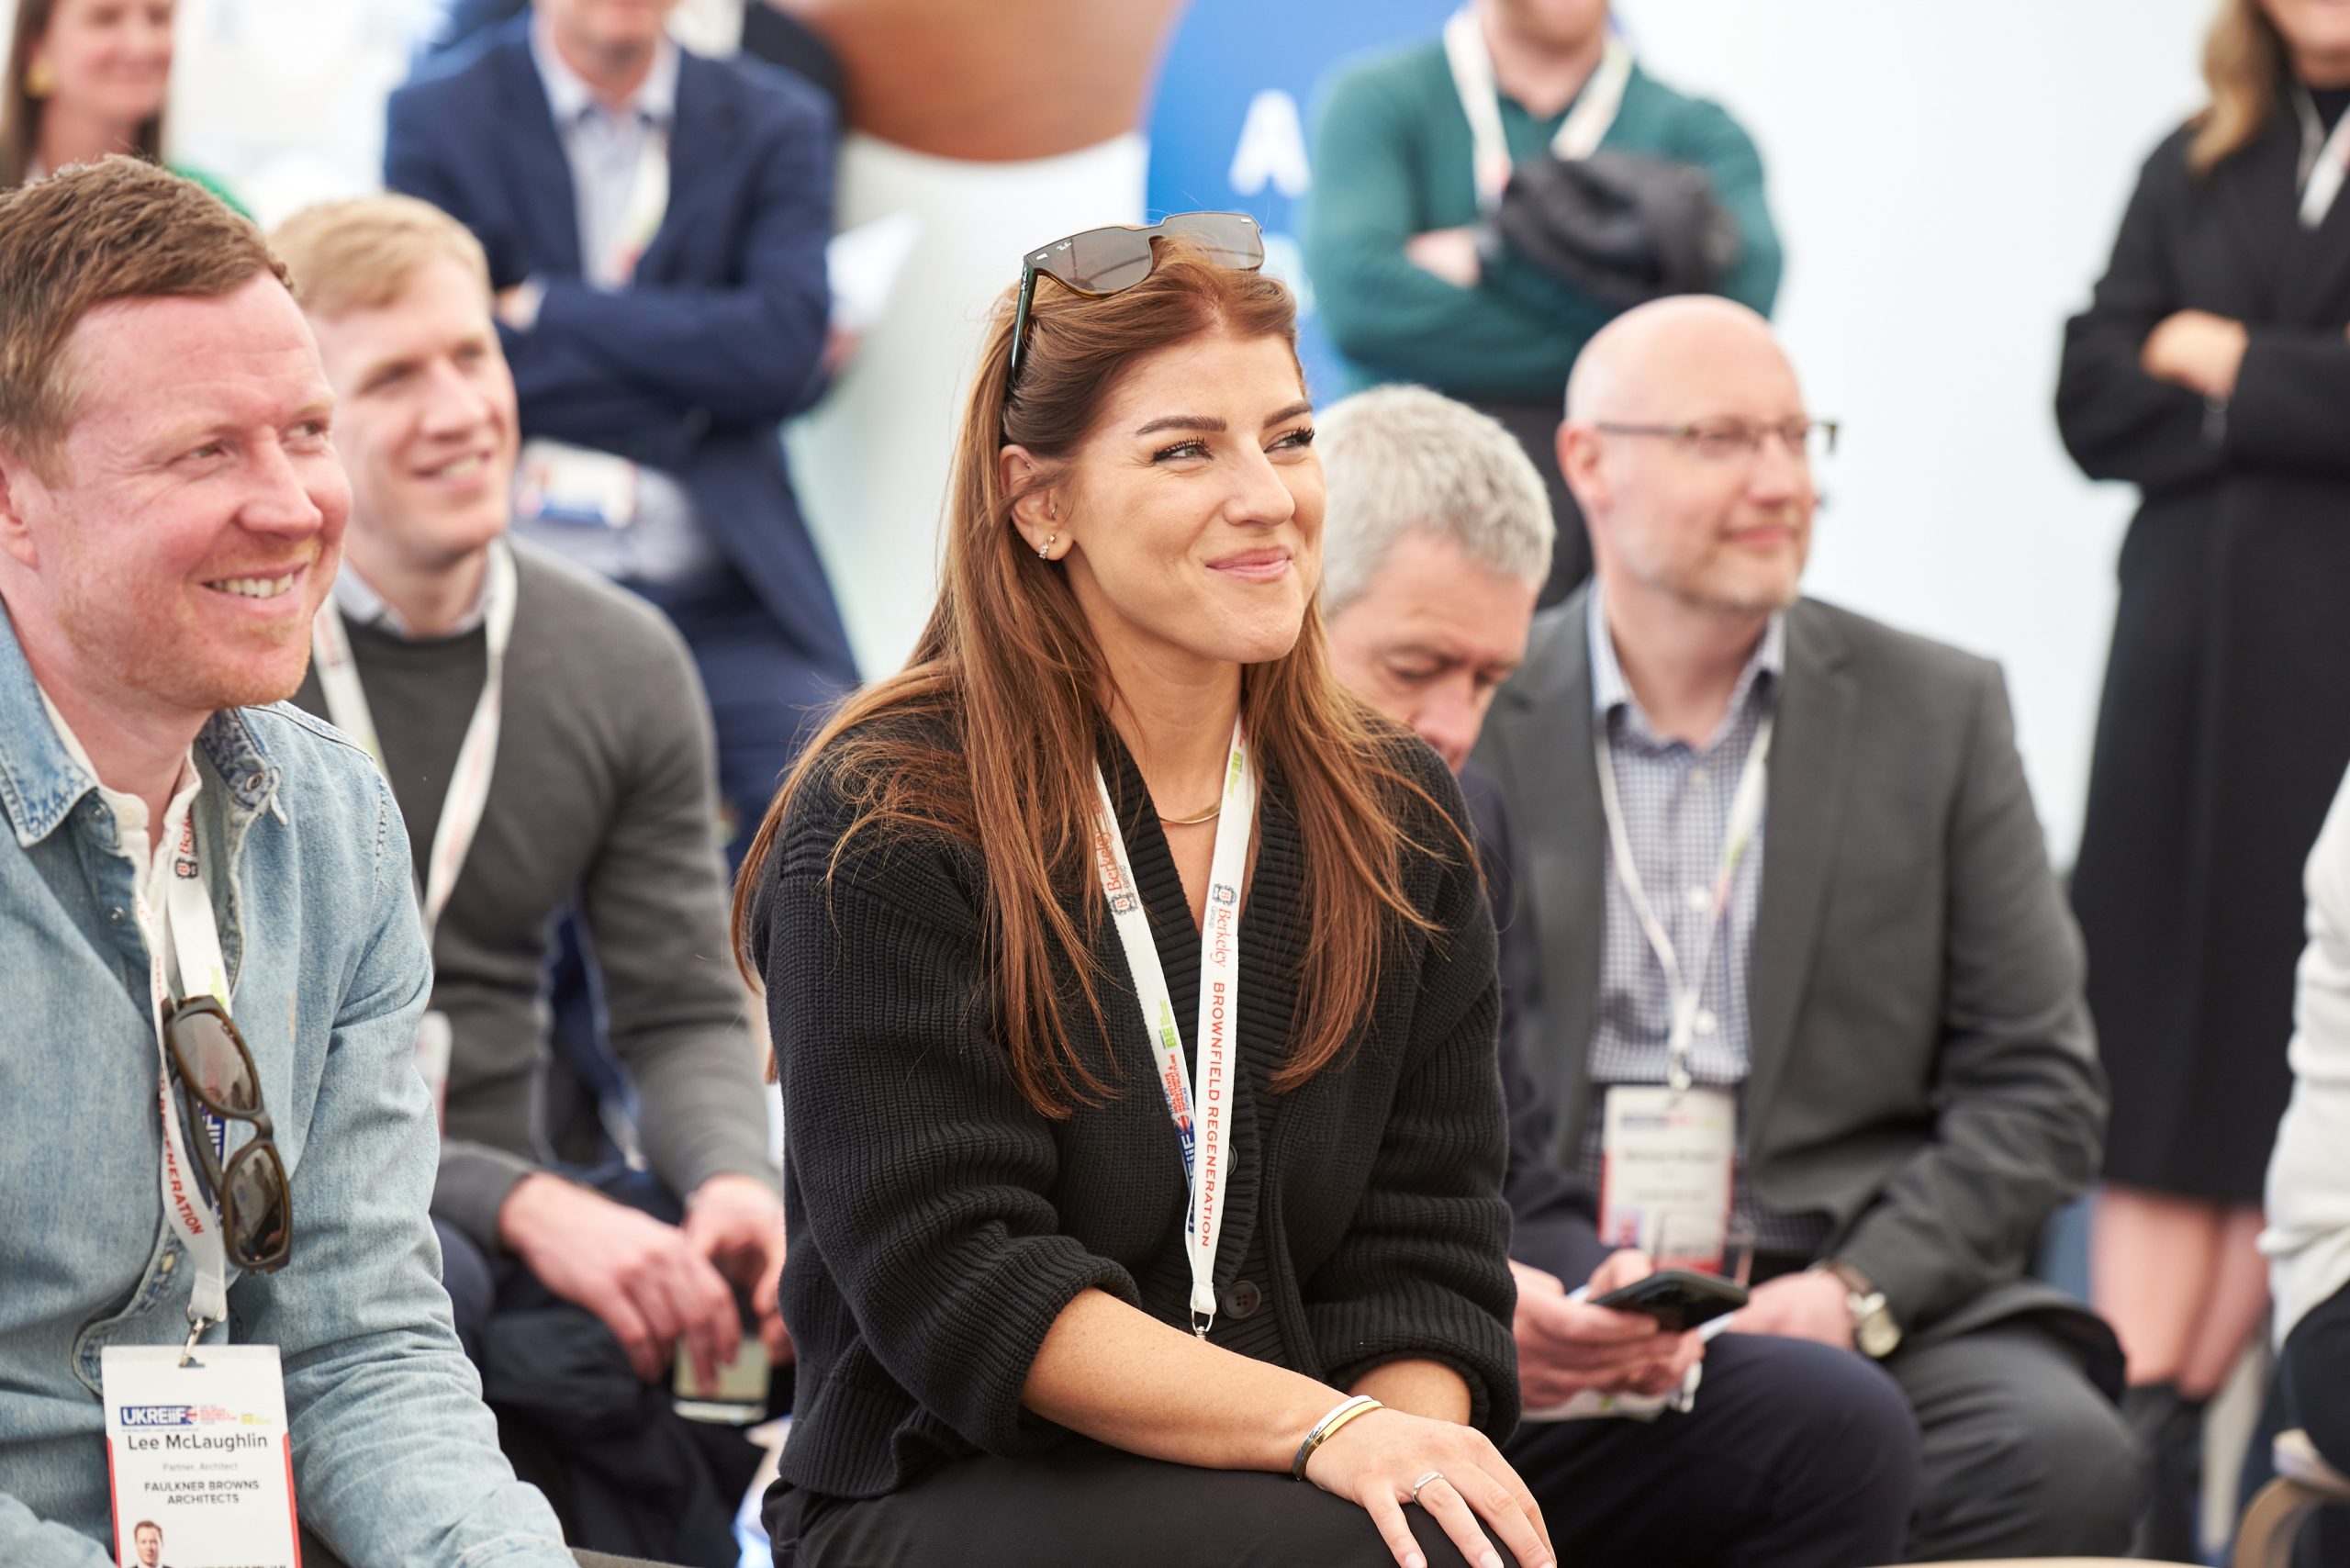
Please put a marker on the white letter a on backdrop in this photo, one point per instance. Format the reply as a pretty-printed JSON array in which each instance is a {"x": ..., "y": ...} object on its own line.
[{"x": 1272, "y": 147}]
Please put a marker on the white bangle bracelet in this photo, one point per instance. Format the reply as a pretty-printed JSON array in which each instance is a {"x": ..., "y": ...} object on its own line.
[{"x": 1326, "y": 1427}]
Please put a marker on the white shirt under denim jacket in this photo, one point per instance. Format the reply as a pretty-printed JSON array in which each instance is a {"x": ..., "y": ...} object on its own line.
[{"x": 396, "y": 1460}]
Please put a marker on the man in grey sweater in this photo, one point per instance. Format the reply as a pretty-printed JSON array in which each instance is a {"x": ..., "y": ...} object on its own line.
[{"x": 548, "y": 742}]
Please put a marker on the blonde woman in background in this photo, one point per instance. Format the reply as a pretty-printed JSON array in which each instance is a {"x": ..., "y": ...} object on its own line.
[{"x": 2212, "y": 371}]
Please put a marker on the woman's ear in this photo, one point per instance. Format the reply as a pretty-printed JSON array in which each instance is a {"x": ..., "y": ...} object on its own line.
[{"x": 1035, "y": 508}]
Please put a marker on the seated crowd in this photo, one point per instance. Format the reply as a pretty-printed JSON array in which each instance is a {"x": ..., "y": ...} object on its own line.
[
  {"x": 994, "y": 1270},
  {"x": 1253, "y": 1001}
]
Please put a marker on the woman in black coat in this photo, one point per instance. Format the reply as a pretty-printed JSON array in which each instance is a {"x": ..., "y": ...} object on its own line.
[
  {"x": 1057, "y": 1297},
  {"x": 2211, "y": 370}
]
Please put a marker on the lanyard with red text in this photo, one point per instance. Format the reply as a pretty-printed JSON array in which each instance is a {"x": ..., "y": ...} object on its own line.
[
  {"x": 1687, "y": 988},
  {"x": 1203, "y": 1111},
  {"x": 185, "y": 928},
  {"x": 1580, "y": 133},
  {"x": 469, "y": 795}
]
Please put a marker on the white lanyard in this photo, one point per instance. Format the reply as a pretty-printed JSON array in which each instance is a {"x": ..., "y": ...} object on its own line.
[
  {"x": 2323, "y": 160},
  {"x": 469, "y": 795},
  {"x": 1745, "y": 817},
  {"x": 1208, "y": 1167},
  {"x": 648, "y": 203},
  {"x": 185, "y": 928},
  {"x": 1579, "y": 135}
]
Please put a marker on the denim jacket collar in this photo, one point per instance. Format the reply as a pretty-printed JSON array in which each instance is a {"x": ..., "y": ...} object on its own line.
[{"x": 41, "y": 783}]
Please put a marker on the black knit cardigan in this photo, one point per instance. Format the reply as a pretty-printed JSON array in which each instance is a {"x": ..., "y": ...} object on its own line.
[{"x": 938, "y": 1225}]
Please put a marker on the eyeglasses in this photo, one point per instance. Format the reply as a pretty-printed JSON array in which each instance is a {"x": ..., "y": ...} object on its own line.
[
  {"x": 1097, "y": 262},
  {"x": 217, "y": 1070},
  {"x": 1727, "y": 441}
]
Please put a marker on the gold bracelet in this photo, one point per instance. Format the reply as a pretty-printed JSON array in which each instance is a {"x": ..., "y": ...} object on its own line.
[{"x": 1328, "y": 1427}]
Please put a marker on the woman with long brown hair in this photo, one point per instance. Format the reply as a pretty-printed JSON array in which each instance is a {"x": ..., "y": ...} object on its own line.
[
  {"x": 86, "y": 79},
  {"x": 2211, "y": 369},
  {"x": 1057, "y": 1296}
]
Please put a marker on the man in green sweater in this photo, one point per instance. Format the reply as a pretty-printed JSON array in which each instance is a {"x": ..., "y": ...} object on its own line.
[
  {"x": 548, "y": 742},
  {"x": 1408, "y": 286}
]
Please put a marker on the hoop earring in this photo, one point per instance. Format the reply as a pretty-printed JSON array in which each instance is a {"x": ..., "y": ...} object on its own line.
[
  {"x": 40, "y": 79},
  {"x": 1044, "y": 551}
]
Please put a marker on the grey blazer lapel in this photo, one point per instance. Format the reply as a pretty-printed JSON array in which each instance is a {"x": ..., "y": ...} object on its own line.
[
  {"x": 1809, "y": 774},
  {"x": 1543, "y": 736}
]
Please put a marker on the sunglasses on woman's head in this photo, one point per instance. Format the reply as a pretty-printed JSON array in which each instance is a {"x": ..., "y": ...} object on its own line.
[
  {"x": 216, "y": 1071},
  {"x": 1099, "y": 262}
]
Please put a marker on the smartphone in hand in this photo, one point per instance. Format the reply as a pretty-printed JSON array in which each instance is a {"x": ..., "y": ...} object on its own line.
[{"x": 1677, "y": 1299}]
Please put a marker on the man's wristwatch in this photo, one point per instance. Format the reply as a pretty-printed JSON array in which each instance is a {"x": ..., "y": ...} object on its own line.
[{"x": 1874, "y": 1332}]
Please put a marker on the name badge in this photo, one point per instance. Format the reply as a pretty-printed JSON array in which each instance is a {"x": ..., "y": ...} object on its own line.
[
  {"x": 202, "y": 1468},
  {"x": 435, "y": 1043},
  {"x": 574, "y": 487},
  {"x": 1666, "y": 1164}
]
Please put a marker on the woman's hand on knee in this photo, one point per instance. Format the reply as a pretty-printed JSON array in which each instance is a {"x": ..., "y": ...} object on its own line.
[{"x": 1388, "y": 1458}]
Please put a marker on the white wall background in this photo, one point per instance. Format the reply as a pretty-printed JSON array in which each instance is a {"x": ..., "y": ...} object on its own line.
[{"x": 1948, "y": 180}]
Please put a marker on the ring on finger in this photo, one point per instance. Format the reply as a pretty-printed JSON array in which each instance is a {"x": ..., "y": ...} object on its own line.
[{"x": 1429, "y": 1479}]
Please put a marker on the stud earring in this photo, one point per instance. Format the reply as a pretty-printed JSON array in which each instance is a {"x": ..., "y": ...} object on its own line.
[
  {"x": 1044, "y": 551},
  {"x": 40, "y": 79}
]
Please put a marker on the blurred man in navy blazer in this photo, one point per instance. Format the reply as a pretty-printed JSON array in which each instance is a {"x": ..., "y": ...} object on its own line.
[{"x": 656, "y": 223}]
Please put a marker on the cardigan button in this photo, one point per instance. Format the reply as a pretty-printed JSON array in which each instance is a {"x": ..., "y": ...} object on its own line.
[{"x": 1243, "y": 1299}]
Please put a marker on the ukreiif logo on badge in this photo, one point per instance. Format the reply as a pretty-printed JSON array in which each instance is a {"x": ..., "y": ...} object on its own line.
[{"x": 201, "y": 1464}]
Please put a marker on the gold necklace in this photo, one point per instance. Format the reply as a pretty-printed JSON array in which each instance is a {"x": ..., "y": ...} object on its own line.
[{"x": 1207, "y": 816}]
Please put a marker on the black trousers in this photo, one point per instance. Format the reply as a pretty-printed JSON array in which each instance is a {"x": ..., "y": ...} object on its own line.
[
  {"x": 1084, "y": 1504},
  {"x": 2311, "y": 1392},
  {"x": 2316, "y": 1377},
  {"x": 1794, "y": 1456}
]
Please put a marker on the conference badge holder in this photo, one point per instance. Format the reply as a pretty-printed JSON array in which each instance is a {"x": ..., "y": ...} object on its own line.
[
  {"x": 735, "y": 1396},
  {"x": 1667, "y": 1157},
  {"x": 1668, "y": 1154},
  {"x": 198, "y": 1449},
  {"x": 574, "y": 487}
]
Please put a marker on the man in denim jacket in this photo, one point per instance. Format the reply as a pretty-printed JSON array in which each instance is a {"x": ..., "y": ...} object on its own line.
[{"x": 171, "y": 515}]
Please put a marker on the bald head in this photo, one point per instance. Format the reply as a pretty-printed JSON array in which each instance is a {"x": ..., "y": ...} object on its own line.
[
  {"x": 1657, "y": 356},
  {"x": 1688, "y": 445}
]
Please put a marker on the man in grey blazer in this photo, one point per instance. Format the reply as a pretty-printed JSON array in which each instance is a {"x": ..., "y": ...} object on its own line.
[{"x": 1875, "y": 972}]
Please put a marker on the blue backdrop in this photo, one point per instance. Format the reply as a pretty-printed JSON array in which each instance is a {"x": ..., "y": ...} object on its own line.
[{"x": 1230, "y": 126}]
